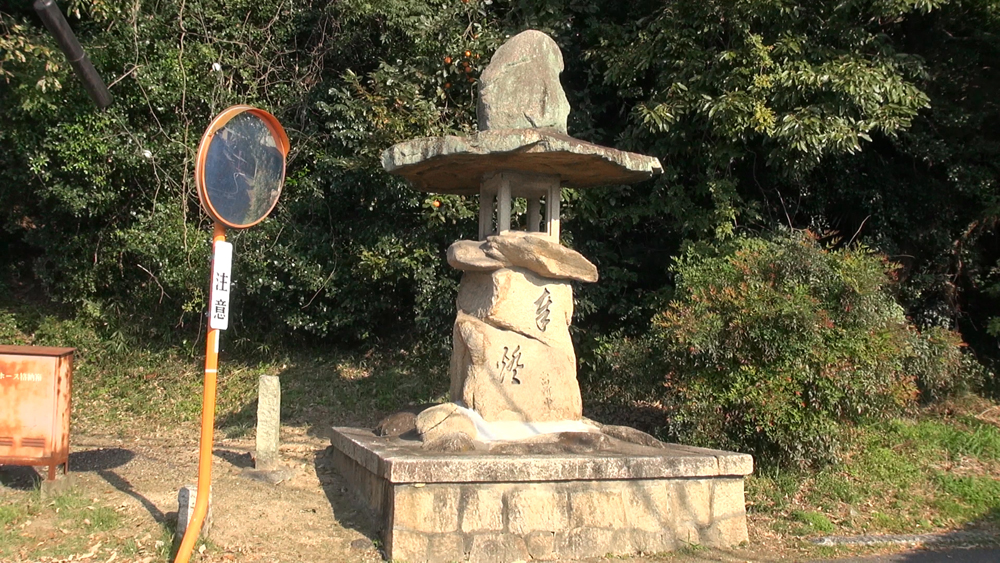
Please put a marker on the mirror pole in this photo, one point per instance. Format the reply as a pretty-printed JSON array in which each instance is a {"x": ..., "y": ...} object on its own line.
[{"x": 207, "y": 432}]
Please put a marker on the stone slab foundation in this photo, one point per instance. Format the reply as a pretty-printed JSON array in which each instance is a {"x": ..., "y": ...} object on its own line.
[{"x": 483, "y": 507}]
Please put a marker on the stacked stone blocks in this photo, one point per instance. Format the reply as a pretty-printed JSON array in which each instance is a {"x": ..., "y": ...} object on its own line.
[{"x": 518, "y": 517}]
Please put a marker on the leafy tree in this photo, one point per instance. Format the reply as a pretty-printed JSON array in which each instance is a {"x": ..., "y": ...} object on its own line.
[
  {"x": 102, "y": 210},
  {"x": 870, "y": 120}
]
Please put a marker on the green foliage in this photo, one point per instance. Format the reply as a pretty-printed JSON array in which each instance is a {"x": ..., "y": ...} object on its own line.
[
  {"x": 898, "y": 476},
  {"x": 871, "y": 119},
  {"x": 773, "y": 343},
  {"x": 979, "y": 493},
  {"x": 102, "y": 211},
  {"x": 940, "y": 365}
]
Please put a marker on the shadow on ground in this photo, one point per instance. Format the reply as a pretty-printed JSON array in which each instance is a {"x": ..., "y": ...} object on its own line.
[
  {"x": 347, "y": 508},
  {"x": 22, "y": 478},
  {"x": 103, "y": 461}
]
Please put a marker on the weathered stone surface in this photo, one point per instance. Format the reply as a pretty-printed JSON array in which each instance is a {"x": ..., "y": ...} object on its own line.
[
  {"x": 409, "y": 546},
  {"x": 584, "y": 442},
  {"x": 648, "y": 506},
  {"x": 268, "y": 422},
  {"x": 631, "y": 435},
  {"x": 442, "y": 420},
  {"x": 694, "y": 498},
  {"x": 457, "y": 165},
  {"x": 644, "y": 541},
  {"x": 520, "y": 87},
  {"x": 404, "y": 461},
  {"x": 426, "y": 509},
  {"x": 490, "y": 548},
  {"x": 732, "y": 463},
  {"x": 541, "y": 545},
  {"x": 579, "y": 543},
  {"x": 728, "y": 499},
  {"x": 452, "y": 442},
  {"x": 471, "y": 256},
  {"x": 504, "y": 375},
  {"x": 727, "y": 533},
  {"x": 597, "y": 508},
  {"x": 537, "y": 508},
  {"x": 186, "y": 499},
  {"x": 545, "y": 257},
  {"x": 485, "y": 507},
  {"x": 443, "y": 547},
  {"x": 554, "y": 444},
  {"x": 518, "y": 300},
  {"x": 482, "y": 510}
]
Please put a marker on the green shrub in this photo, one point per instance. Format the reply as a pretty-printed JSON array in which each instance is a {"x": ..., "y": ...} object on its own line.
[
  {"x": 772, "y": 343},
  {"x": 940, "y": 364}
]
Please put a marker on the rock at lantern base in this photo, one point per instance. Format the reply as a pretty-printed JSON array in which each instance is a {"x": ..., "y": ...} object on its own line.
[
  {"x": 542, "y": 256},
  {"x": 520, "y": 301},
  {"x": 441, "y": 420},
  {"x": 507, "y": 376}
]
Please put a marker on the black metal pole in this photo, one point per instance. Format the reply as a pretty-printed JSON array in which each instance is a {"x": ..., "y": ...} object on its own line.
[{"x": 59, "y": 27}]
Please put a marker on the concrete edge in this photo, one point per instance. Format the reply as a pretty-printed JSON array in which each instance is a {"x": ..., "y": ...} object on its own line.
[{"x": 401, "y": 464}]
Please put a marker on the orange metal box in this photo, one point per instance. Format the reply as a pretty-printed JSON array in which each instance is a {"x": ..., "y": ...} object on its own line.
[{"x": 34, "y": 406}]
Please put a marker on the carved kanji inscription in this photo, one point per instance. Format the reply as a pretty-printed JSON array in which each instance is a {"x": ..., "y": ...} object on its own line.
[{"x": 542, "y": 310}]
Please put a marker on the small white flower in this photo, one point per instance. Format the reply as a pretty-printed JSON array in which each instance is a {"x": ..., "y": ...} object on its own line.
[
  {"x": 147, "y": 154},
  {"x": 216, "y": 67}
]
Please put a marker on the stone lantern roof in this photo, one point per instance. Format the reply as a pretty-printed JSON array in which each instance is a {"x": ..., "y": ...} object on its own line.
[
  {"x": 458, "y": 165},
  {"x": 522, "y": 148}
]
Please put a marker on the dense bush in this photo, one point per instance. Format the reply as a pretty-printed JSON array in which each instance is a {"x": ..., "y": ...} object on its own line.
[
  {"x": 773, "y": 343},
  {"x": 941, "y": 364}
]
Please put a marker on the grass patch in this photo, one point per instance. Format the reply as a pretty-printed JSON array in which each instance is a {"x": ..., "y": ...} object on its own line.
[
  {"x": 902, "y": 476},
  {"x": 72, "y": 524},
  {"x": 813, "y": 520},
  {"x": 980, "y": 493},
  {"x": 117, "y": 388}
]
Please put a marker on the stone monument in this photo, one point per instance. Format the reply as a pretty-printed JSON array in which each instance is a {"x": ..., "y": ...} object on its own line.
[{"x": 510, "y": 469}]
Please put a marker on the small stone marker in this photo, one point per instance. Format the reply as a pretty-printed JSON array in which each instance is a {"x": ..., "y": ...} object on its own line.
[
  {"x": 268, "y": 421},
  {"x": 186, "y": 498}
]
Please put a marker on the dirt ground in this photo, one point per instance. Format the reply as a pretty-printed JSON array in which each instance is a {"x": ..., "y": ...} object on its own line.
[{"x": 309, "y": 518}]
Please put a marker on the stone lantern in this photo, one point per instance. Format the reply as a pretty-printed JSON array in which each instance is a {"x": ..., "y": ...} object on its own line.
[
  {"x": 509, "y": 470},
  {"x": 513, "y": 369}
]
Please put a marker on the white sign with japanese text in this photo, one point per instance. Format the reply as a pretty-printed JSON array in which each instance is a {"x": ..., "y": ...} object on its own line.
[{"x": 222, "y": 282}]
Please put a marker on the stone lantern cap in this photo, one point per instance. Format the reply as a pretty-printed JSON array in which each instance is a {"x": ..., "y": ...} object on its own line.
[
  {"x": 458, "y": 165},
  {"x": 522, "y": 111}
]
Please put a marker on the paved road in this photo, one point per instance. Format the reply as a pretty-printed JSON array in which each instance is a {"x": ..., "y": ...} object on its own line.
[{"x": 976, "y": 555}]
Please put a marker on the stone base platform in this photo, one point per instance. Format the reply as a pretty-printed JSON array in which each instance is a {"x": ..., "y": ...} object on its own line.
[{"x": 482, "y": 506}]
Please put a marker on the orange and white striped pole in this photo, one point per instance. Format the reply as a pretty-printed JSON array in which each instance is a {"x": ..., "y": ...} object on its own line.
[{"x": 208, "y": 397}]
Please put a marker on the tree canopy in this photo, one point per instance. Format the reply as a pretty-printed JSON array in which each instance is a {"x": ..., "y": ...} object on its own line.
[{"x": 871, "y": 121}]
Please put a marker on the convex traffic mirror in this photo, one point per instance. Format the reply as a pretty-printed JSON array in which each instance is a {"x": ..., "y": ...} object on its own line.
[{"x": 241, "y": 166}]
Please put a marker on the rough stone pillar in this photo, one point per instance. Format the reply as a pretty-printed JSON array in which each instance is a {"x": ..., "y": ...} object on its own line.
[{"x": 268, "y": 421}]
